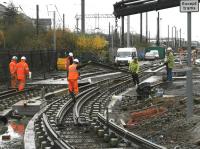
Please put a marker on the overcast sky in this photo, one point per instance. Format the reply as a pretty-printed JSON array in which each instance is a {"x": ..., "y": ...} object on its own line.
[{"x": 70, "y": 8}]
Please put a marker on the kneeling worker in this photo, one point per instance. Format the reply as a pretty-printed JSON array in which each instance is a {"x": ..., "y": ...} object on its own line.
[{"x": 73, "y": 76}]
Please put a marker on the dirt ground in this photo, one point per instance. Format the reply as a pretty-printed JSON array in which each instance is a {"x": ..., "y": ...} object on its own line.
[{"x": 170, "y": 128}]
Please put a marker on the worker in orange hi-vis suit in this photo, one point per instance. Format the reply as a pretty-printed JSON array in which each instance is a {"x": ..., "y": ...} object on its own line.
[
  {"x": 69, "y": 61},
  {"x": 22, "y": 73},
  {"x": 13, "y": 72},
  {"x": 73, "y": 79}
]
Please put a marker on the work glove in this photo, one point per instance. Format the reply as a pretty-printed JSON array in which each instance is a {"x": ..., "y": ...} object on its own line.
[{"x": 30, "y": 75}]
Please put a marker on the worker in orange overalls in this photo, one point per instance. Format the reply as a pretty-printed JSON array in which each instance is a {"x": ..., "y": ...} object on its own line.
[
  {"x": 73, "y": 79},
  {"x": 13, "y": 72},
  {"x": 22, "y": 73},
  {"x": 69, "y": 61}
]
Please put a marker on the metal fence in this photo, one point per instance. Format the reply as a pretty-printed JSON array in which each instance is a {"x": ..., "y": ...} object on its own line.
[{"x": 40, "y": 61}]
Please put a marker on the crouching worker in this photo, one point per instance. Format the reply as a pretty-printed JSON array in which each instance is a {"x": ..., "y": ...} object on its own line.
[{"x": 73, "y": 76}]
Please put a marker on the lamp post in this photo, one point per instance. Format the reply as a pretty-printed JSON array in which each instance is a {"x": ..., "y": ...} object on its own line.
[
  {"x": 158, "y": 29},
  {"x": 54, "y": 28},
  {"x": 180, "y": 38},
  {"x": 175, "y": 37}
]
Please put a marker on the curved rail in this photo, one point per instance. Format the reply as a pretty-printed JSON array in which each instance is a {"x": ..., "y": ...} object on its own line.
[
  {"x": 88, "y": 95},
  {"x": 59, "y": 142},
  {"x": 61, "y": 113},
  {"x": 87, "y": 92},
  {"x": 128, "y": 136}
]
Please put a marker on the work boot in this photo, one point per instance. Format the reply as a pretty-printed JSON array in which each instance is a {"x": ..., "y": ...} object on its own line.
[{"x": 73, "y": 97}]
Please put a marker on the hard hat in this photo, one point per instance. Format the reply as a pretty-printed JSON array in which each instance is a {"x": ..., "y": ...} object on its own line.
[
  {"x": 169, "y": 49},
  {"x": 14, "y": 57},
  {"x": 70, "y": 54},
  {"x": 76, "y": 60},
  {"x": 23, "y": 58}
]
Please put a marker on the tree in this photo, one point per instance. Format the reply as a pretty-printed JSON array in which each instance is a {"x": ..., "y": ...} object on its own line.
[
  {"x": 20, "y": 34},
  {"x": 10, "y": 15}
]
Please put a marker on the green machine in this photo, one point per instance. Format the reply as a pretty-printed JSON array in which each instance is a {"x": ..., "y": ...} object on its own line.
[{"x": 161, "y": 51}]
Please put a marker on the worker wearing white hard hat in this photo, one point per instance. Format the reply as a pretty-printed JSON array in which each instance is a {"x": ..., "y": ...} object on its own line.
[
  {"x": 23, "y": 58},
  {"x": 13, "y": 72},
  {"x": 73, "y": 77},
  {"x": 169, "y": 63},
  {"x": 69, "y": 61},
  {"x": 169, "y": 49},
  {"x": 76, "y": 60},
  {"x": 70, "y": 54},
  {"x": 14, "y": 57},
  {"x": 22, "y": 73}
]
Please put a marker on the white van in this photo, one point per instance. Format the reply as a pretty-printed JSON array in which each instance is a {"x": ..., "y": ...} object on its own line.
[{"x": 125, "y": 55}]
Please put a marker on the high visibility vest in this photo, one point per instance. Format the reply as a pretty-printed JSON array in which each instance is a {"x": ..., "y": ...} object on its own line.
[
  {"x": 170, "y": 60},
  {"x": 134, "y": 67},
  {"x": 73, "y": 72},
  {"x": 69, "y": 61},
  {"x": 12, "y": 67},
  {"x": 22, "y": 70}
]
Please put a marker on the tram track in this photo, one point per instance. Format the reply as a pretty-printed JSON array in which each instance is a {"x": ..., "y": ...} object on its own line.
[
  {"x": 12, "y": 96},
  {"x": 75, "y": 119}
]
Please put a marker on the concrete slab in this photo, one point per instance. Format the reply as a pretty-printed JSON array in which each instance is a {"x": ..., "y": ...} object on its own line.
[
  {"x": 156, "y": 70},
  {"x": 63, "y": 81},
  {"x": 29, "y": 136},
  {"x": 5, "y": 112},
  {"x": 32, "y": 107},
  {"x": 153, "y": 80},
  {"x": 104, "y": 76}
]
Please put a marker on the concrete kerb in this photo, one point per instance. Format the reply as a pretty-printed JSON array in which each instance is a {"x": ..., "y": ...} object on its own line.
[{"x": 29, "y": 136}]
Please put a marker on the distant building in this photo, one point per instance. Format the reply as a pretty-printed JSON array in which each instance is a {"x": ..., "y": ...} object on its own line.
[
  {"x": 2, "y": 10},
  {"x": 43, "y": 22}
]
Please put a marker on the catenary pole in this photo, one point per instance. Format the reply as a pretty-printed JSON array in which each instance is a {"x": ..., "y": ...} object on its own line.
[
  {"x": 54, "y": 28},
  {"x": 83, "y": 16},
  {"x": 189, "y": 71},
  {"x": 128, "y": 31},
  {"x": 37, "y": 20}
]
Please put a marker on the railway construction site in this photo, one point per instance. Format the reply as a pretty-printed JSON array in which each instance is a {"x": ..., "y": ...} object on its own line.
[{"x": 109, "y": 112}]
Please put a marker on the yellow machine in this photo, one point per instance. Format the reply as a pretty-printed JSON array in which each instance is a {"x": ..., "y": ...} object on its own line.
[{"x": 61, "y": 62}]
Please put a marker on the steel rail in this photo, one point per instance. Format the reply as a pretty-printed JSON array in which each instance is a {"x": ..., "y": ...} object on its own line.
[
  {"x": 64, "y": 109},
  {"x": 129, "y": 136},
  {"x": 52, "y": 133},
  {"x": 8, "y": 91},
  {"x": 77, "y": 107},
  {"x": 116, "y": 89},
  {"x": 14, "y": 93},
  {"x": 59, "y": 142},
  {"x": 80, "y": 102}
]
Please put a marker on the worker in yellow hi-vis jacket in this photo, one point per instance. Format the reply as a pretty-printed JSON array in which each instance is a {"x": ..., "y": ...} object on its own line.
[{"x": 134, "y": 69}]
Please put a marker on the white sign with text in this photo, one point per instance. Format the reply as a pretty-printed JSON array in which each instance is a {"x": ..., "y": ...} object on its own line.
[{"x": 189, "y": 6}]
